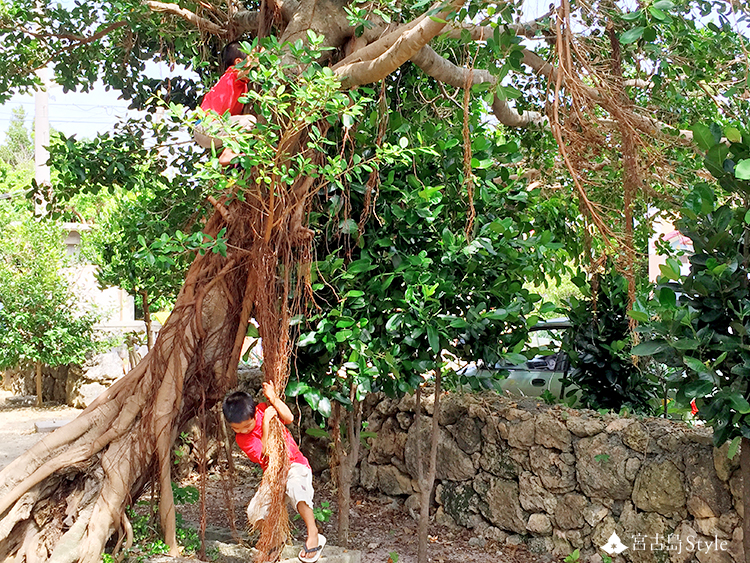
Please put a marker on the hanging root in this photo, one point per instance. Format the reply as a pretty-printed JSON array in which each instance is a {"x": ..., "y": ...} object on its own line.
[{"x": 275, "y": 528}]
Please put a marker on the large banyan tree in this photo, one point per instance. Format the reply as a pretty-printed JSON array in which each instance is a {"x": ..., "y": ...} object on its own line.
[{"x": 609, "y": 81}]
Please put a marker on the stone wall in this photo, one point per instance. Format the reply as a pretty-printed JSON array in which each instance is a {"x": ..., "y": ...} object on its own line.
[
  {"x": 560, "y": 479},
  {"x": 76, "y": 386}
]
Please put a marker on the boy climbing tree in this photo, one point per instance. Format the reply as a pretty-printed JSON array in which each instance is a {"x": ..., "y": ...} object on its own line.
[{"x": 224, "y": 98}]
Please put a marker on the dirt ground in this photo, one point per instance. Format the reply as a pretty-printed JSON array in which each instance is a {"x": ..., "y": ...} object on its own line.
[
  {"x": 380, "y": 526},
  {"x": 17, "y": 431}
]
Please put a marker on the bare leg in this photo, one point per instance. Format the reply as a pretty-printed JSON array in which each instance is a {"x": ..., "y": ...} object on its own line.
[
  {"x": 226, "y": 157},
  {"x": 309, "y": 519}
]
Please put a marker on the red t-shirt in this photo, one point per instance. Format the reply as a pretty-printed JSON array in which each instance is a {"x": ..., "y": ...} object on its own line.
[
  {"x": 225, "y": 95},
  {"x": 252, "y": 443}
]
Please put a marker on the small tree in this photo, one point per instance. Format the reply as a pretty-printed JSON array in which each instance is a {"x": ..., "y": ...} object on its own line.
[
  {"x": 40, "y": 320},
  {"x": 599, "y": 345},
  {"x": 18, "y": 147},
  {"x": 136, "y": 242},
  {"x": 118, "y": 242}
]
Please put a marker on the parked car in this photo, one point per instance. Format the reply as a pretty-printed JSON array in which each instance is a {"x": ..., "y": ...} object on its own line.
[{"x": 543, "y": 372}]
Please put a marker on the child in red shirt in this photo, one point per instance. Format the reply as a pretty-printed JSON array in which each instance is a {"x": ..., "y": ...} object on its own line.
[
  {"x": 224, "y": 98},
  {"x": 250, "y": 424}
]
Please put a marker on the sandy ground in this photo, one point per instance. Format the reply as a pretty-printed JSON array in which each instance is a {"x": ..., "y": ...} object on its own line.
[{"x": 17, "y": 430}]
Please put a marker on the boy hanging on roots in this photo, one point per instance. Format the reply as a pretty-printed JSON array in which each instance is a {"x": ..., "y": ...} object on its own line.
[{"x": 251, "y": 423}]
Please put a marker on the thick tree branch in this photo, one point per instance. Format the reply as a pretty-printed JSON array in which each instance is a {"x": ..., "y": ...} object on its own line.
[
  {"x": 406, "y": 45},
  {"x": 245, "y": 21},
  {"x": 187, "y": 15},
  {"x": 482, "y": 32},
  {"x": 638, "y": 83},
  {"x": 377, "y": 48},
  {"x": 444, "y": 71}
]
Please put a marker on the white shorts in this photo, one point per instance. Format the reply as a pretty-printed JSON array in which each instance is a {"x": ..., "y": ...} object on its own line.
[
  {"x": 201, "y": 136},
  {"x": 298, "y": 489}
]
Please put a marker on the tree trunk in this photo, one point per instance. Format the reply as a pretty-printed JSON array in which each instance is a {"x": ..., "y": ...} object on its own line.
[
  {"x": 346, "y": 460},
  {"x": 147, "y": 320},
  {"x": 745, "y": 468},
  {"x": 64, "y": 498},
  {"x": 426, "y": 484},
  {"x": 38, "y": 366}
]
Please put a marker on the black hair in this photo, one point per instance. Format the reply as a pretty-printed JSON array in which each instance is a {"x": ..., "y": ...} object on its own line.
[
  {"x": 238, "y": 407},
  {"x": 231, "y": 53}
]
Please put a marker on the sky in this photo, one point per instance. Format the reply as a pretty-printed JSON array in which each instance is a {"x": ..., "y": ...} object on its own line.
[{"x": 83, "y": 114}]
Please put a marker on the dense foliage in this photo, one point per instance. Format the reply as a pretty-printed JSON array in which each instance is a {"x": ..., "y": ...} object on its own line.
[
  {"x": 599, "y": 346},
  {"x": 701, "y": 319}
]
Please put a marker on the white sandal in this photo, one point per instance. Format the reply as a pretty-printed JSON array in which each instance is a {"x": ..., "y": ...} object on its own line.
[{"x": 311, "y": 555}]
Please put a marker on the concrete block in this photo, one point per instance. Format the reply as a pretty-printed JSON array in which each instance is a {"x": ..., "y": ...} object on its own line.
[{"x": 46, "y": 426}]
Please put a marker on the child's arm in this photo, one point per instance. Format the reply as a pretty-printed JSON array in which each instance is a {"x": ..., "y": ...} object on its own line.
[{"x": 285, "y": 414}]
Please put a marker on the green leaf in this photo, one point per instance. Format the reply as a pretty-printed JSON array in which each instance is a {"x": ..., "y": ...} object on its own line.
[
  {"x": 742, "y": 170},
  {"x": 698, "y": 389},
  {"x": 354, "y": 293},
  {"x": 667, "y": 297},
  {"x": 685, "y": 344},
  {"x": 252, "y": 331},
  {"x": 348, "y": 226},
  {"x": 738, "y": 403},
  {"x": 307, "y": 339},
  {"x": 639, "y": 316},
  {"x": 668, "y": 271},
  {"x": 733, "y": 135},
  {"x": 294, "y": 388},
  {"x": 632, "y": 16},
  {"x": 434, "y": 338},
  {"x": 702, "y": 136},
  {"x": 358, "y": 266},
  {"x": 658, "y": 14},
  {"x": 394, "y": 322},
  {"x": 515, "y": 359},
  {"x": 715, "y": 158},
  {"x": 665, "y": 5},
  {"x": 696, "y": 365},
  {"x": 649, "y": 348},
  {"x": 733, "y": 447},
  {"x": 632, "y": 35},
  {"x": 317, "y": 433}
]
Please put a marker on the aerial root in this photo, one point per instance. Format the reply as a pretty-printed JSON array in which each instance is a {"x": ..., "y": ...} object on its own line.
[{"x": 126, "y": 533}]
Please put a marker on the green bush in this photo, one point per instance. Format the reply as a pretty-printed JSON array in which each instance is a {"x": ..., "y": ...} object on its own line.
[{"x": 599, "y": 347}]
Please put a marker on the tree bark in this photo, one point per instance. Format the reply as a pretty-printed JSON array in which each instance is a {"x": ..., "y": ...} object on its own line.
[
  {"x": 147, "y": 320},
  {"x": 346, "y": 460},
  {"x": 38, "y": 366},
  {"x": 745, "y": 468},
  {"x": 426, "y": 484}
]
